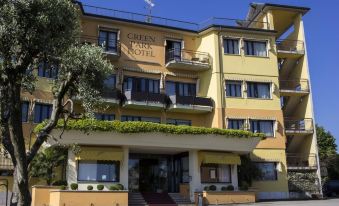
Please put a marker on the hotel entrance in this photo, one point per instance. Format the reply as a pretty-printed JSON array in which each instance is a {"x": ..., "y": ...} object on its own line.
[{"x": 157, "y": 172}]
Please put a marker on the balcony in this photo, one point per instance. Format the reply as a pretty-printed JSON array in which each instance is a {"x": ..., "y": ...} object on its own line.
[
  {"x": 301, "y": 161},
  {"x": 298, "y": 87},
  {"x": 299, "y": 127},
  {"x": 6, "y": 163},
  {"x": 111, "y": 96},
  {"x": 190, "y": 104},
  {"x": 113, "y": 52},
  {"x": 144, "y": 100},
  {"x": 290, "y": 48},
  {"x": 187, "y": 60}
]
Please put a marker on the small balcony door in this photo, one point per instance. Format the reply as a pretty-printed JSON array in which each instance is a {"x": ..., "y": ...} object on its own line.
[{"x": 173, "y": 50}]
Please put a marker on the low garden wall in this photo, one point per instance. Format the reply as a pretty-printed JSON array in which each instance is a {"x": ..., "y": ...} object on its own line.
[{"x": 225, "y": 197}]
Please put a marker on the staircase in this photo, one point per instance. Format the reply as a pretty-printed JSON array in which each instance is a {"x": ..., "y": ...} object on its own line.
[
  {"x": 136, "y": 199},
  {"x": 180, "y": 200},
  {"x": 158, "y": 199}
]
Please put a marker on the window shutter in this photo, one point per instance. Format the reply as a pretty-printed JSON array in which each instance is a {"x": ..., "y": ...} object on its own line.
[{"x": 182, "y": 44}]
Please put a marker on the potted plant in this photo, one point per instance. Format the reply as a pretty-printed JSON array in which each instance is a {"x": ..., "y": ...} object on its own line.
[
  {"x": 74, "y": 186},
  {"x": 100, "y": 187},
  {"x": 89, "y": 187}
]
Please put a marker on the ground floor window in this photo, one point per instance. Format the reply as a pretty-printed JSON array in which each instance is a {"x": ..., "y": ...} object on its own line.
[
  {"x": 99, "y": 171},
  {"x": 215, "y": 173},
  {"x": 268, "y": 170}
]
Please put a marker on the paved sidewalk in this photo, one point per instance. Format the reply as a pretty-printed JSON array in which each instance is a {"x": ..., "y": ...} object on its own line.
[{"x": 329, "y": 202}]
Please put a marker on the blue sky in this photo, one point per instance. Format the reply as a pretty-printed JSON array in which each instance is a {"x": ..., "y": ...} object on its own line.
[{"x": 322, "y": 34}]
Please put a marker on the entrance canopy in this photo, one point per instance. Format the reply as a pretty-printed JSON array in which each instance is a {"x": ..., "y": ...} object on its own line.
[
  {"x": 100, "y": 153},
  {"x": 219, "y": 158}
]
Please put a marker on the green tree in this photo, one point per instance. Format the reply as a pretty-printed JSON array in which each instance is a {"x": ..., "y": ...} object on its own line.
[
  {"x": 31, "y": 32},
  {"x": 327, "y": 147},
  {"x": 46, "y": 161}
]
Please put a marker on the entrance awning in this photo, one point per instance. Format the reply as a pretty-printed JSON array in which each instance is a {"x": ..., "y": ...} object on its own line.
[
  {"x": 100, "y": 153},
  {"x": 219, "y": 158}
]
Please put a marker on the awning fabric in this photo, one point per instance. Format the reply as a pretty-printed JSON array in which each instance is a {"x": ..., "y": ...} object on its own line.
[
  {"x": 219, "y": 158},
  {"x": 100, "y": 153}
]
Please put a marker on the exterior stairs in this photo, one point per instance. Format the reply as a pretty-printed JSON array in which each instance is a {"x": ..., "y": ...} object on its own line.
[
  {"x": 136, "y": 199},
  {"x": 180, "y": 200}
]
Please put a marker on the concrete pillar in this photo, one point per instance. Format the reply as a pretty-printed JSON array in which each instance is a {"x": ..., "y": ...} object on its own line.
[
  {"x": 124, "y": 168},
  {"x": 194, "y": 173},
  {"x": 234, "y": 172},
  {"x": 71, "y": 169}
]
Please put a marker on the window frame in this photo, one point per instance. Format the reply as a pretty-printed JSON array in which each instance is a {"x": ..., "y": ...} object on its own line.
[
  {"x": 178, "y": 120},
  {"x": 44, "y": 68},
  {"x": 258, "y": 125},
  {"x": 215, "y": 166},
  {"x": 116, "y": 163},
  {"x": 255, "y": 41},
  {"x": 42, "y": 105},
  {"x": 138, "y": 84},
  {"x": 139, "y": 118},
  {"x": 234, "y": 119},
  {"x": 103, "y": 116},
  {"x": 106, "y": 46},
  {"x": 26, "y": 118},
  {"x": 228, "y": 82},
  {"x": 226, "y": 39},
  {"x": 257, "y": 91},
  {"x": 275, "y": 171}
]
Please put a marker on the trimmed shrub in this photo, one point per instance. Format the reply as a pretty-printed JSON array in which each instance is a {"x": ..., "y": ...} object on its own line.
[
  {"x": 244, "y": 186},
  {"x": 100, "y": 187},
  {"x": 230, "y": 188},
  {"x": 212, "y": 188},
  {"x": 59, "y": 183},
  {"x": 89, "y": 187},
  {"x": 74, "y": 186},
  {"x": 115, "y": 187},
  {"x": 206, "y": 188},
  {"x": 63, "y": 187}
]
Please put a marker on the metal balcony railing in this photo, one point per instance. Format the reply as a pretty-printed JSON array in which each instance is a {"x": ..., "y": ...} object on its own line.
[
  {"x": 190, "y": 100},
  {"x": 110, "y": 93},
  {"x": 295, "y": 160},
  {"x": 180, "y": 55},
  {"x": 172, "y": 23},
  {"x": 299, "y": 126},
  {"x": 145, "y": 97},
  {"x": 299, "y": 85},
  {"x": 290, "y": 46},
  {"x": 112, "y": 47}
]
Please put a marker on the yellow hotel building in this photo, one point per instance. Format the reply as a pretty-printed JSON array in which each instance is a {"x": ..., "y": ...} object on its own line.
[{"x": 247, "y": 74}]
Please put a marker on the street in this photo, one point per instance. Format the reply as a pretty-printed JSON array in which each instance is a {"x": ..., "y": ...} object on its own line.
[{"x": 329, "y": 202}]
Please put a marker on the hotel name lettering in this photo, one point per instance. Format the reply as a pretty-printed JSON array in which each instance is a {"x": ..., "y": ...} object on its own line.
[{"x": 141, "y": 45}]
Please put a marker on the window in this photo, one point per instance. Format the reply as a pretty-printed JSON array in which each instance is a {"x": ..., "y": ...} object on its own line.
[
  {"x": 47, "y": 70},
  {"x": 180, "y": 89},
  {"x": 179, "y": 122},
  {"x": 259, "y": 90},
  {"x": 142, "y": 85},
  {"x": 263, "y": 126},
  {"x": 233, "y": 89},
  {"x": 24, "y": 111},
  {"x": 255, "y": 48},
  {"x": 42, "y": 112},
  {"x": 125, "y": 118},
  {"x": 104, "y": 117},
  {"x": 236, "y": 124},
  {"x": 109, "y": 41},
  {"x": 110, "y": 82},
  {"x": 173, "y": 50},
  {"x": 268, "y": 170},
  {"x": 215, "y": 173},
  {"x": 100, "y": 171},
  {"x": 231, "y": 46}
]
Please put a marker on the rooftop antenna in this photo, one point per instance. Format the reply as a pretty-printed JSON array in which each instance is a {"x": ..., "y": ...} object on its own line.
[{"x": 149, "y": 7}]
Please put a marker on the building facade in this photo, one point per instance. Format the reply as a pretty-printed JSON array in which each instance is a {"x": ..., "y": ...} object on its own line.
[{"x": 245, "y": 75}]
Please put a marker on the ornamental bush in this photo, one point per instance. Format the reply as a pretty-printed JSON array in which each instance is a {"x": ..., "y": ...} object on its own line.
[
  {"x": 89, "y": 125},
  {"x": 100, "y": 187},
  {"x": 116, "y": 187},
  {"x": 89, "y": 187},
  {"x": 228, "y": 188},
  {"x": 212, "y": 188},
  {"x": 74, "y": 186}
]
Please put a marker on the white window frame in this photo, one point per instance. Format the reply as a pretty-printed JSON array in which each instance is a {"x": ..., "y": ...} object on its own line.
[{"x": 256, "y": 40}]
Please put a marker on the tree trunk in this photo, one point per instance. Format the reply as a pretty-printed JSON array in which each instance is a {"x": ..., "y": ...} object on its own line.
[{"x": 20, "y": 194}]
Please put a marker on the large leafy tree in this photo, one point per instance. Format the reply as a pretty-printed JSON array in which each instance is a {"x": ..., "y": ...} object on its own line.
[{"x": 31, "y": 32}]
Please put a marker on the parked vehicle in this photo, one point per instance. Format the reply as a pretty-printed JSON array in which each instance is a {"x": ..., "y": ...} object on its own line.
[{"x": 331, "y": 188}]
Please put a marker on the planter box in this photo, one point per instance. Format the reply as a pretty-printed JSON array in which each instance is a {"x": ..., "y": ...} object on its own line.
[
  {"x": 226, "y": 197},
  {"x": 40, "y": 194}
]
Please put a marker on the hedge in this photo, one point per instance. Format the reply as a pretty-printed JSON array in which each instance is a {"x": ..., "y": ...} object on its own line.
[{"x": 89, "y": 125}]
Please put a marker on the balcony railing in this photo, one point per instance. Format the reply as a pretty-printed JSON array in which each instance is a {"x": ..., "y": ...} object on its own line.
[
  {"x": 187, "y": 59},
  {"x": 145, "y": 97},
  {"x": 114, "y": 49},
  {"x": 300, "y": 85},
  {"x": 290, "y": 46},
  {"x": 301, "y": 161},
  {"x": 110, "y": 94},
  {"x": 172, "y": 23},
  {"x": 299, "y": 126},
  {"x": 190, "y": 100}
]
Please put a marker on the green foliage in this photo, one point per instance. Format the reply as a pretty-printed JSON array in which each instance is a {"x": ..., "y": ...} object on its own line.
[
  {"x": 303, "y": 182},
  {"x": 63, "y": 187},
  {"x": 212, "y": 188},
  {"x": 333, "y": 168},
  {"x": 88, "y": 125},
  {"x": 326, "y": 143},
  {"x": 206, "y": 188},
  {"x": 116, "y": 187},
  {"x": 46, "y": 161},
  {"x": 89, "y": 187},
  {"x": 247, "y": 171},
  {"x": 59, "y": 183},
  {"x": 74, "y": 186},
  {"x": 100, "y": 187}
]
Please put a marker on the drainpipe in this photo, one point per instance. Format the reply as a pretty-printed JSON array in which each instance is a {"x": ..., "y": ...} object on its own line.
[{"x": 221, "y": 71}]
